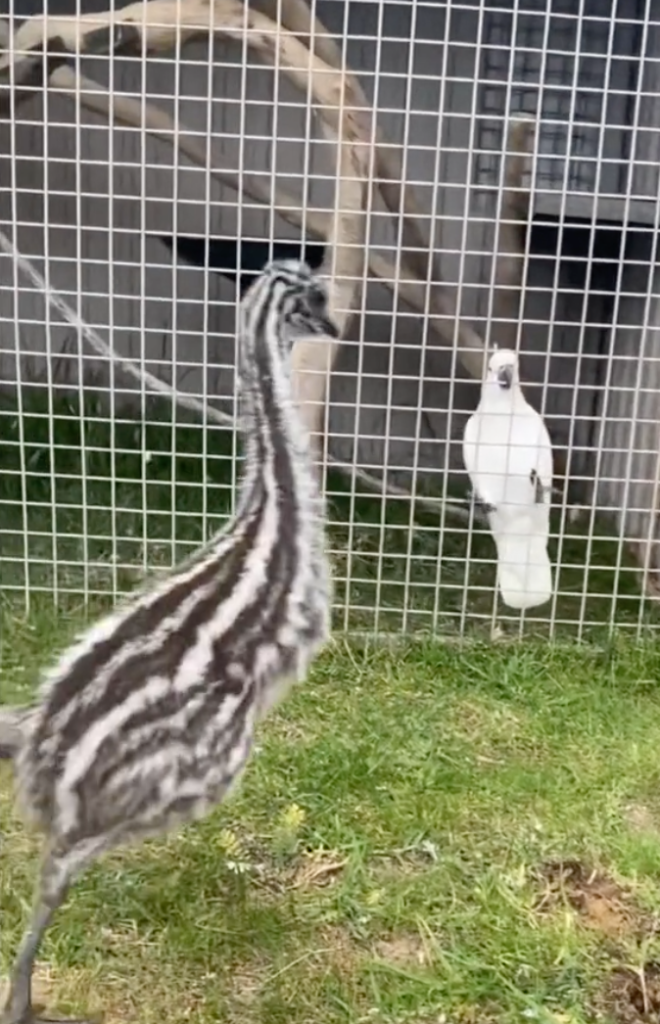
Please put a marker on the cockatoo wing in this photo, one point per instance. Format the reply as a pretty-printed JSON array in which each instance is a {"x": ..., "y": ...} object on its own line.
[
  {"x": 487, "y": 487},
  {"x": 509, "y": 461},
  {"x": 543, "y": 464}
]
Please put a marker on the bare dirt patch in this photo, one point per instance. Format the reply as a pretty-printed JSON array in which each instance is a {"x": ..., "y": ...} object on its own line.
[
  {"x": 42, "y": 986},
  {"x": 641, "y": 818},
  {"x": 599, "y": 902},
  {"x": 632, "y": 996},
  {"x": 411, "y": 860},
  {"x": 246, "y": 982},
  {"x": 605, "y": 906},
  {"x": 401, "y": 950},
  {"x": 306, "y": 871},
  {"x": 340, "y": 950},
  {"x": 317, "y": 869}
]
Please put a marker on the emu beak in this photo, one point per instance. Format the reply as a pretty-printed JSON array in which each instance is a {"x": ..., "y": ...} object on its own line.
[
  {"x": 505, "y": 377},
  {"x": 326, "y": 326}
]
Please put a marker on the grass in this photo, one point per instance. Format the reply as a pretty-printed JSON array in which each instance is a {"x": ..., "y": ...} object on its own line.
[
  {"x": 459, "y": 833},
  {"x": 391, "y": 854},
  {"x": 88, "y": 507}
]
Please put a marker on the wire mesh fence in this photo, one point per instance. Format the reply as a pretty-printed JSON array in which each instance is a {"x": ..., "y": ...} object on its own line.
[{"x": 467, "y": 173}]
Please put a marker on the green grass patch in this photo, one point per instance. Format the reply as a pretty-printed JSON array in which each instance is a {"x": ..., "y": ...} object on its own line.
[
  {"x": 389, "y": 854},
  {"x": 89, "y": 504},
  {"x": 392, "y": 854}
]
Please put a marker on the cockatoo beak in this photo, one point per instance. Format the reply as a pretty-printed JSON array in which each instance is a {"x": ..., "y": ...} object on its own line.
[{"x": 505, "y": 377}]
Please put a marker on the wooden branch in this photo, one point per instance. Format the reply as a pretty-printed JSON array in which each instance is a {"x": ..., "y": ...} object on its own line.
[
  {"x": 513, "y": 217},
  {"x": 348, "y": 127},
  {"x": 297, "y": 17},
  {"x": 345, "y": 264},
  {"x": 345, "y": 233},
  {"x": 120, "y": 109},
  {"x": 159, "y": 24},
  {"x": 41, "y": 53},
  {"x": 345, "y": 267},
  {"x": 417, "y": 262}
]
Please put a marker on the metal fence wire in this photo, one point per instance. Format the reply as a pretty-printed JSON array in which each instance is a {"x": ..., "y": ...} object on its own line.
[{"x": 468, "y": 173}]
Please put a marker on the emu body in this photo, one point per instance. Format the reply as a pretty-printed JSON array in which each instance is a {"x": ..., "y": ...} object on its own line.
[{"x": 148, "y": 720}]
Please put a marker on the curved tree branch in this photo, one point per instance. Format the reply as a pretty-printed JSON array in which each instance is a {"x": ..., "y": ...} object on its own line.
[{"x": 159, "y": 25}]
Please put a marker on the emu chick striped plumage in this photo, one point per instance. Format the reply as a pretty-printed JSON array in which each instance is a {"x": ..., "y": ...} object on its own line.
[{"x": 148, "y": 720}]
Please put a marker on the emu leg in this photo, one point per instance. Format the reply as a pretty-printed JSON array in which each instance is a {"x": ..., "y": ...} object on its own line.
[{"x": 51, "y": 894}]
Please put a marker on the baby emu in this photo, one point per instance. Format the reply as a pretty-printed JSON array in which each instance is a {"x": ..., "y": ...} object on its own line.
[{"x": 148, "y": 720}]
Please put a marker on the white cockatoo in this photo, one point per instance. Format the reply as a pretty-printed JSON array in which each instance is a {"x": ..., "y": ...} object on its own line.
[{"x": 508, "y": 456}]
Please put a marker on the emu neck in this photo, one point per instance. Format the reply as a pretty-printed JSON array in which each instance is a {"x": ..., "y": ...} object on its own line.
[{"x": 277, "y": 448}]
